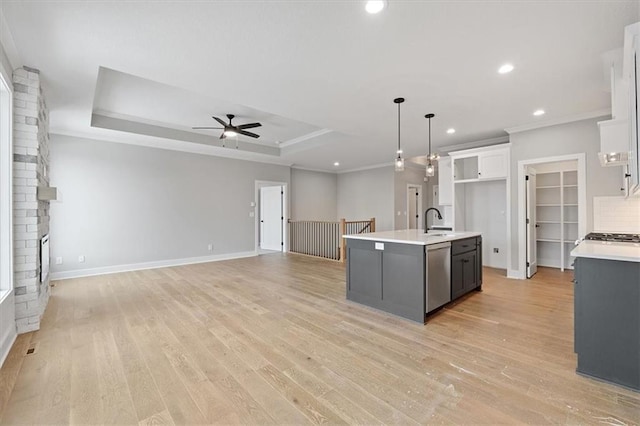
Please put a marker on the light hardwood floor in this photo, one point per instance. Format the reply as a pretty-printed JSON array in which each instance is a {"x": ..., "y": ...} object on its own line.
[{"x": 272, "y": 340}]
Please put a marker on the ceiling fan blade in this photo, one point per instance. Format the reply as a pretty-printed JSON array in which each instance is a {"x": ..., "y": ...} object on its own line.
[
  {"x": 204, "y": 127},
  {"x": 222, "y": 123},
  {"x": 248, "y": 126},
  {"x": 222, "y": 136},
  {"x": 253, "y": 135}
]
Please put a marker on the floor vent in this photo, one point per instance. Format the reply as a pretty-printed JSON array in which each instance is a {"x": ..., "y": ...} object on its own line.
[{"x": 32, "y": 349}]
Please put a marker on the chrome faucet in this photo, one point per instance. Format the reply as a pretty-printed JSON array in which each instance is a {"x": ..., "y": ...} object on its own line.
[{"x": 438, "y": 215}]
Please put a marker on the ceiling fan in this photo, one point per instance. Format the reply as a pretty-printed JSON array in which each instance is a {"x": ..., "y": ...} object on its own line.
[{"x": 230, "y": 130}]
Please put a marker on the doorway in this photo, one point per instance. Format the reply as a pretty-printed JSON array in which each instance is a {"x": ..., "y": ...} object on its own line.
[
  {"x": 552, "y": 206},
  {"x": 414, "y": 206},
  {"x": 532, "y": 225},
  {"x": 271, "y": 217}
]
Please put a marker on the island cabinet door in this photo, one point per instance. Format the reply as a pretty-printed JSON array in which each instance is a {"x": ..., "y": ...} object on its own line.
[
  {"x": 403, "y": 280},
  {"x": 464, "y": 273},
  {"x": 364, "y": 273}
]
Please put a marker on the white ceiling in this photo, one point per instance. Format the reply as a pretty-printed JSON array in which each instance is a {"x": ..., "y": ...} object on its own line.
[{"x": 321, "y": 76}]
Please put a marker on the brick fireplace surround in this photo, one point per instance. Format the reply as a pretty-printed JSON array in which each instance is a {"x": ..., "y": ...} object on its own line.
[{"x": 30, "y": 216}]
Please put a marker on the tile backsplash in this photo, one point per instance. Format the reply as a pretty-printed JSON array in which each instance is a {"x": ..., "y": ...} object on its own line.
[{"x": 616, "y": 214}]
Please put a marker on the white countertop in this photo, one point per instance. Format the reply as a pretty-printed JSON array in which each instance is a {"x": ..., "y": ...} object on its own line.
[
  {"x": 629, "y": 252},
  {"x": 413, "y": 236}
]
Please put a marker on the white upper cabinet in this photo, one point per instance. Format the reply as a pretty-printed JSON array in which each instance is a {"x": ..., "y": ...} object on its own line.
[
  {"x": 478, "y": 164},
  {"x": 493, "y": 164},
  {"x": 631, "y": 72}
]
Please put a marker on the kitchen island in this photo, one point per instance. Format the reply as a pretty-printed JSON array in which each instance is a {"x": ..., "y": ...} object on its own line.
[
  {"x": 607, "y": 311},
  {"x": 410, "y": 273}
]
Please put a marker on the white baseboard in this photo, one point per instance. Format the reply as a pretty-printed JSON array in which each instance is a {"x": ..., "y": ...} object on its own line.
[
  {"x": 78, "y": 273},
  {"x": 515, "y": 274},
  {"x": 7, "y": 343}
]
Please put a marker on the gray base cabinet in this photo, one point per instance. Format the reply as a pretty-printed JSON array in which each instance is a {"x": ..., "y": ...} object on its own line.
[
  {"x": 607, "y": 320},
  {"x": 466, "y": 266},
  {"x": 391, "y": 279},
  {"x": 393, "y": 276}
]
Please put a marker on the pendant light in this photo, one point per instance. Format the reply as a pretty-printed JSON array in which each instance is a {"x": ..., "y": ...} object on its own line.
[
  {"x": 399, "y": 160},
  {"x": 431, "y": 171}
]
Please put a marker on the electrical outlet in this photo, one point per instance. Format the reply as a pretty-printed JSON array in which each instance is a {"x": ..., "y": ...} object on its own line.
[
  {"x": 81, "y": 259},
  {"x": 496, "y": 250},
  {"x": 210, "y": 247},
  {"x": 252, "y": 214},
  {"x": 58, "y": 260}
]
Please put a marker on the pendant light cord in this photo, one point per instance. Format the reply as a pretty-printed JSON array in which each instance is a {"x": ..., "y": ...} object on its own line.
[
  {"x": 398, "y": 129},
  {"x": 429, "y": 139}
]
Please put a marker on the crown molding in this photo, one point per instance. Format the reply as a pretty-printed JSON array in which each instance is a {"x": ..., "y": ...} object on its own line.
[
  {"x": 558, "y": 121},
  {"x": 361, "y": 169},
  {"x": 309, "y": 169}
]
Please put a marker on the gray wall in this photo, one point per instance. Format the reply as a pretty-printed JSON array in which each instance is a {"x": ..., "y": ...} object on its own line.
[
  {"x": 122, "y": 204},
  {"x": 577, "y": 137},
  {"x": 430, "y": 202},
  {"x": 314, "y": 195},
  {"x": 485, "y": 207},
  {"x": 367, "y": 193},
  {"x": 410, "y": 175}
]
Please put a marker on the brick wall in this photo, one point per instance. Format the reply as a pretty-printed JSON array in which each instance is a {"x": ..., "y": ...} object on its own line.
[{"x": 31, "y": 217}]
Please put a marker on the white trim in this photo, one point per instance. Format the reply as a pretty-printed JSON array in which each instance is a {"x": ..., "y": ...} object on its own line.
[
  {"x": 361, "y": 169},
  {"x": 6, "y": 343},
  {"x": 417, "y": 186},
  {"x": 521, "y": 194},
  {"x": 6, "y": 188},
  {"x": 557, "y": 121},
  {"x": 472, "y": 152},
  {"x": 303, "y": 138},
  {"x": 285, "y": 212},
  {"x": 78, "y": 273},
  {"x": 483, "y": 143},
  {"x": 309, "y": 169},
  {"x": 515, "y": 274}
]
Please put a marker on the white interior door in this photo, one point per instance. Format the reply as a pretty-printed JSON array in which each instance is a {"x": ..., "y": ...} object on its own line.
[
  {"x": 414, "y": 206},
  {"x": 271, "y": 218},
  {"x": 532, "y": 262}
]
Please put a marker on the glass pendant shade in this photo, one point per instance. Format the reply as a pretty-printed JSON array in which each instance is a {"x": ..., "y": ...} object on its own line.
[
  {"x": 430, "y": 169},
  {"x": 399, "y": 162}
]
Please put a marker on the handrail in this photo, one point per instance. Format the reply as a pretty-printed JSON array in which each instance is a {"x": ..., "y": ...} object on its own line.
[{"x": 325, "y": 238}]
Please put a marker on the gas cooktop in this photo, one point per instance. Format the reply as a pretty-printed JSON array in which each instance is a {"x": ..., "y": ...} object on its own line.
[{"x": 619, "y": 238}]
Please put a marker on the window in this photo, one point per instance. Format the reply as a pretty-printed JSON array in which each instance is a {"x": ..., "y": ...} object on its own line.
[{"x": 6, "y": 168}]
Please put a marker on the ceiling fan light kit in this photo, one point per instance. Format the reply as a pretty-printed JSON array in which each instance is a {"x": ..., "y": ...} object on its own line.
[
  {"x": 231, "y": 130},
  {"x": 399, "y": 162}
]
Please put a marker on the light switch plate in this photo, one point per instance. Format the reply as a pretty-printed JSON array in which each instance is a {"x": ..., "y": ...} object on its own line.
[{"x": 379, "y": 246}]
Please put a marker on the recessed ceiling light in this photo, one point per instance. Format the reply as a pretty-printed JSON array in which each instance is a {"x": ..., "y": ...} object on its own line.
[
  {"x": 505, "y": 69},
  {"x": 336, "y": 164},
  {"x": 375, "y": 6},
  {"x": 451, "y": 131},
  {"x": 538, "y": 112}
]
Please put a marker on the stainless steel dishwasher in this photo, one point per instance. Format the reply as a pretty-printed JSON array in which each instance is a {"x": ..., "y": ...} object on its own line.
[{"x": 438, "y": 275}]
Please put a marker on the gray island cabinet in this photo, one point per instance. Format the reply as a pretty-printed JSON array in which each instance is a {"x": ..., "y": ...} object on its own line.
[
  {"x": 410, "y": 273},
  {"x": 607, "y": 311}
]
